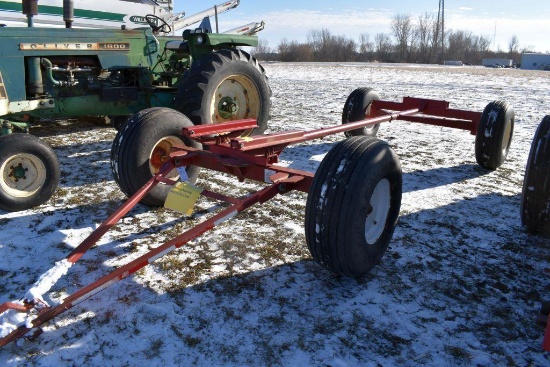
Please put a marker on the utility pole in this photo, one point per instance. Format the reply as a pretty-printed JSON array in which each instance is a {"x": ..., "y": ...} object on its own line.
[
  {"x": 495, "y": 37},
  {"x": 441, "y": 15}
]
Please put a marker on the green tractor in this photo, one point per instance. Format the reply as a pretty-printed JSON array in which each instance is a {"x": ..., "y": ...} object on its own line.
[{"x": 56, "y": 73}]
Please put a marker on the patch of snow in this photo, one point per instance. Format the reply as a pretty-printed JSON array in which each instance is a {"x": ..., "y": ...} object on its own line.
[{"x": 47, "y": 280}]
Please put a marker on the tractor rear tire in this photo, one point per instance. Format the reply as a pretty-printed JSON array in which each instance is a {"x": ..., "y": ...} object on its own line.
[
  {"x": 356, "y": 108},
  {"x": 224, "y": 86},
  {"x": 29, "y": 172},
  {"x": 140, "y": 149},
  {"x": 494, "y": 135},
  {"x": 353, "y": 206},
  {"x": 535, "y": 204}
]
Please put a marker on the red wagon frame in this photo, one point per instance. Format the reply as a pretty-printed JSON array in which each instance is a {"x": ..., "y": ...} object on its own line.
[{"x": 253, "y": 158}]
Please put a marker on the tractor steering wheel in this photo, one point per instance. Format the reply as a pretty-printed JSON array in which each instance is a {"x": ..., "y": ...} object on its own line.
[{"x": 154, "y": 22}]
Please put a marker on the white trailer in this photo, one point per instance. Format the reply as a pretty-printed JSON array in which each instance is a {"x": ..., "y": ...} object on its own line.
[{"x": 498, "y": 63}]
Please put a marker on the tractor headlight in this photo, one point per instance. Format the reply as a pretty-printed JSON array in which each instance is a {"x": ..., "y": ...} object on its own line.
[{"x": 200, "y": 39}]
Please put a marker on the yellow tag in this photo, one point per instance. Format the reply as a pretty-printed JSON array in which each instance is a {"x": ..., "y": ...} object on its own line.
[
  {"x": 182, "y": 197},
  {"x": 247, "y": 139}
]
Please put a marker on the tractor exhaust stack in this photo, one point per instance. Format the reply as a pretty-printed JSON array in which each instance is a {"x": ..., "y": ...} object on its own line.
[
  {"x": 68, "y": 13},
  {"x": 30, "y": 9}
]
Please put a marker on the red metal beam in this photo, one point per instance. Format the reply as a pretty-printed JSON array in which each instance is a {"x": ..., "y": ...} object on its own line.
[
  {"x": 225, "y": 159},
  {"x": 455, "y": 124},
  {"x": 380, "y": 111},
  {"x": 255, "y": 143},
  {"x": 14, "y": 306},
  {"x": 465, "y": 120},
  {"x": 209, "y": 129},
  {"x": 88, "y": 291},
  {"x": 77, "y": 253},
  {"x": 546, "y": 339}
]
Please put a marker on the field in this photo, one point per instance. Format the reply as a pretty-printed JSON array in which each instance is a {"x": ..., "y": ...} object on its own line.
[{"x": 461, "y": 283}]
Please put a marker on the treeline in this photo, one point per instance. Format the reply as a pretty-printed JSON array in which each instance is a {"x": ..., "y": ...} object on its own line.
[{"x": 421, "y": 40}]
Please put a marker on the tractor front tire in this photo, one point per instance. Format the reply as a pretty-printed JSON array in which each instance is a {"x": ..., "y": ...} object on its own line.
[
  {"x": 356, "y": 108},
  {"x": 118, "y": 121},
  {"x": 224, "y": 86},
  {"x": 141, "y": 148},
  {"x": 29, "y": 172},
  {"x": 494, "y": 135},
  {"x": 353, "y": 206},
  {"x": 535, "y": 204}
]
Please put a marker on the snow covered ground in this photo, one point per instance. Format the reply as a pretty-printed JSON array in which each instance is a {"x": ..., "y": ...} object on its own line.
[{"x": 460, "y": 284}]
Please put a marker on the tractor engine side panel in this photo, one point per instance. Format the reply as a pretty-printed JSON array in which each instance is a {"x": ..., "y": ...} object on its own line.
[{"x": 77, "y": 58}]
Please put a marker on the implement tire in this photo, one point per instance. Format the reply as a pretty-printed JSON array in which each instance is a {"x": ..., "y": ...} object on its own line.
[
  {"x": 353, "y": 206},
  {"x": 535, "y": 203},
  {"x": 225, "y": 86},
  {"x": 29, "y": 172},
  {"x": 356, "y": 108},
  {"x": 143, "y": 145},
  {"x": 494, "y": 135}
]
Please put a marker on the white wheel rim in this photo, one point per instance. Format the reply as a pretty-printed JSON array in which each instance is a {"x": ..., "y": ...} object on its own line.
[
  {"x": 379, "y": 208},
  {"x": 161, "y": 153},
  {"x": 22, "y": 175},
  {"x": 241, "y": 92},
  {"x": 506, "y": 138}
]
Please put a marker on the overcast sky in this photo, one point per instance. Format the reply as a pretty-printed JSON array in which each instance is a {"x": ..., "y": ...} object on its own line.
[{"x": 498, "y": 20}]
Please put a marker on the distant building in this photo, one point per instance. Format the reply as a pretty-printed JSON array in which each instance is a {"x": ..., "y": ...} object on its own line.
[
  {"x": 453, "y": 62},
  {"x": 532, "y": 61},
  {"x": 497, "y": 63}
]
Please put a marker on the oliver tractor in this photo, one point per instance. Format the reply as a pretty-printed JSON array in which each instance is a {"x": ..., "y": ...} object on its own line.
[{"x": 48, "y": 73}]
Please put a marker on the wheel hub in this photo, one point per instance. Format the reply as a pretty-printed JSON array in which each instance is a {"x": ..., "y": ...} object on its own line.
[
  {"x": 18, "y": 172},
  {"x": 22, "y": 175},
  {"x": 227, "y": 108},
  {"x": 160, "y": 154}
]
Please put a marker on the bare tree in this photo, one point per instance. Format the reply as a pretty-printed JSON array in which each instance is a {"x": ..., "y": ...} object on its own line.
[
  {"x": 366, "y": 47},
  {"x": 402, "y": 29},
  {"x": 482, "y": 48},
  {"x": 467, "y": 47},
  {"x": 418, "y": 41},
  {"x": 284, "y": 49},
  {"x": 426, "y": 30},
  {"x": 294, "y": 51},
  {"x": 460, "y": 43},
  {"x": 320, "y": 41},
  {"x": 262, "y": 51},
  {"x": 383, "y": 46},
  {"x": 513, "y": 45},
  {"x": 327, "y": 47},
  {"x": 527, "y": 49},
  {"x": 344, "y": 49}
]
